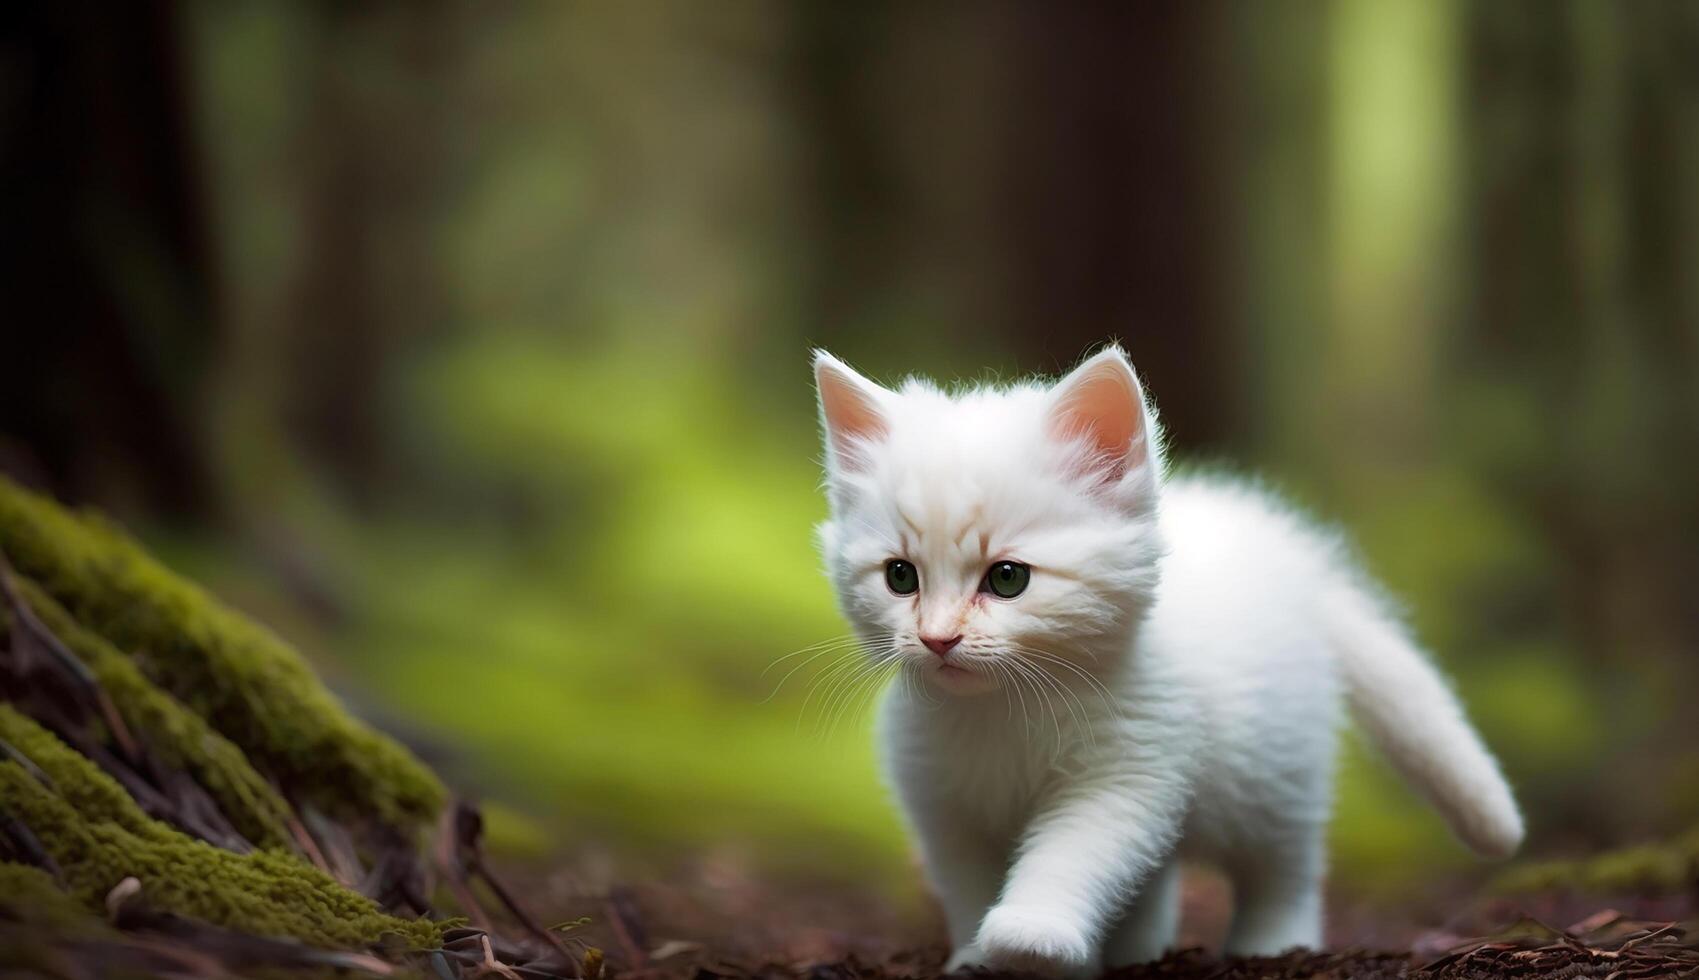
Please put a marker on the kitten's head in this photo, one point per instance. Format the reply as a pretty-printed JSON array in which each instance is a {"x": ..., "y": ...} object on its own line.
[{"x": 982, "y": 534}]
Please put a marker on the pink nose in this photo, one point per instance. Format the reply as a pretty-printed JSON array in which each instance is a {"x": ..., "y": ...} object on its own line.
[{"x": 941, "y": 646}]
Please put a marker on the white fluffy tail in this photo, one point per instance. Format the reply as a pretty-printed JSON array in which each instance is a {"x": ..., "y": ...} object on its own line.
[{"x": 1410, "y": 713}]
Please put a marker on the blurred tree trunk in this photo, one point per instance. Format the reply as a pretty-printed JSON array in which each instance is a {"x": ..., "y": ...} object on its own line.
[
  {"x": 1584, "y": 150},
  {"x": 1275, "y": 135},
  {"x": 1041, "y": 174},
  {"x": 850, "y": 182},
  {"x": 1112, "y": 204},
  {"x": 365, "y": 275},
  {"x": 327, "y": 165},
  {"x": 105, "y": 263}
]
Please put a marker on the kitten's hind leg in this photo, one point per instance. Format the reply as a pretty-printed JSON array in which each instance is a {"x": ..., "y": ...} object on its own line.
[
  {"x": 1277, "y": 898},
  {"x": 1152, "y": 921}
]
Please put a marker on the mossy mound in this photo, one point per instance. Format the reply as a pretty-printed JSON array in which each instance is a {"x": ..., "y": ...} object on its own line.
[
  {"x": 97, "y": 836},
  {"x": 129, "y": 698},
  {"x": 244, "y": 682},
  {"x": 1647, "y": 869},
  {"x": 30, "y": 897},
  {"x": 180, "y": 738}
]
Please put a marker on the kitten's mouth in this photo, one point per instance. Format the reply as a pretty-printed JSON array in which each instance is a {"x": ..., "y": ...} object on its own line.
[{"x": 958, "y": 680}]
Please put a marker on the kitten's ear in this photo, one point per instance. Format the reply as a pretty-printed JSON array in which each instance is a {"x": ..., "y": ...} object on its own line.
[
  {"x": 852, "y": 409},
  {"x": 1102, "y": 402}
]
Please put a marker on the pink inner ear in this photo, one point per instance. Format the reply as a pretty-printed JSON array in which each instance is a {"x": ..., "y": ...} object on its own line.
[
  {"x": 1104, "y": 405},
  {"x": 852, "y": 415}
]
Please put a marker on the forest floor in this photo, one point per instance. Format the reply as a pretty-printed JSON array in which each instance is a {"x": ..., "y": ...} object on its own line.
[{"x": 713, "y": 921}]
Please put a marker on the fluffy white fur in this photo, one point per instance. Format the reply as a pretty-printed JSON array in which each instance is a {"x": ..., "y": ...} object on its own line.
[{"x": 1168, "y": 686}]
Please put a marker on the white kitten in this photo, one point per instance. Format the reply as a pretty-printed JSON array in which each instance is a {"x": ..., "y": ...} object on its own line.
[{"x": 1117, "y": 670}]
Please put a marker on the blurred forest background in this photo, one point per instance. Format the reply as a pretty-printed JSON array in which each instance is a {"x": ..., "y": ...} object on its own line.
[{"x": 467, "y": 344}]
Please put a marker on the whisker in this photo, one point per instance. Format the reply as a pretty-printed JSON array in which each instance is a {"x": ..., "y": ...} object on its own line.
[
  {"x": 837, "y": 646},
  {"x": 826, "y": 643},
  {"x": 1026, "y": 721},
  {"x": 1038, "y": 696},
  {"x": 824, "y": 682},
  {"x": 868, "y": 679},
  {"x": 863, "y": 697},
  {"x": 1102, "y": 691},
  {"x": 1037, "y": 678},
  {"x": 914, "y": 685},
  {"x": 831, "y": 707},
  {"x": 920, "y": 684},
  {"x": 1074, "y": 702},
  {"x": 1076, "y": 707}
]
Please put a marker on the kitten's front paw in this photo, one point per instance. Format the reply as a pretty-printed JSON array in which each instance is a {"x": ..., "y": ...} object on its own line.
[{"x": 1033, "y": 941}]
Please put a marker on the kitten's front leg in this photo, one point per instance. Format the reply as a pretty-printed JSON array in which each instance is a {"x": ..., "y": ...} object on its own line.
[
  {"x": 966, "y": 870},
  {"x": 1084, "y": 854}
]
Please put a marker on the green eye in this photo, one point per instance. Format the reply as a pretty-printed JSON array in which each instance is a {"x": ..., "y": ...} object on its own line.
[
  {"x": 1007, "y": 579},
  {"x": 903, "y": 578}
]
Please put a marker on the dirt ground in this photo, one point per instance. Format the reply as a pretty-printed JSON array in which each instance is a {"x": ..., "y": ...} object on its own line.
[{"x": 713, "y": 920}]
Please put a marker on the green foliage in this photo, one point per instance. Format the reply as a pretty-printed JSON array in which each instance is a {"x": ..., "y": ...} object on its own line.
[
  {"x": 241, "y": 679},
  {"x": 98, "y": 836},
  {"x": 610, "y": 672}
]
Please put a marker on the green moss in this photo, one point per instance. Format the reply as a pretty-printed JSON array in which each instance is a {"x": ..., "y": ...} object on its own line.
[
  {"x": 1645, "y": 869},
  {"x": 178, "y": 736},
  {"x": 99, "y": 800},
  {"x": 98, "y": 836},
  {"x": 233, "y": 673},
  {"x": 30, "y": 896}
]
